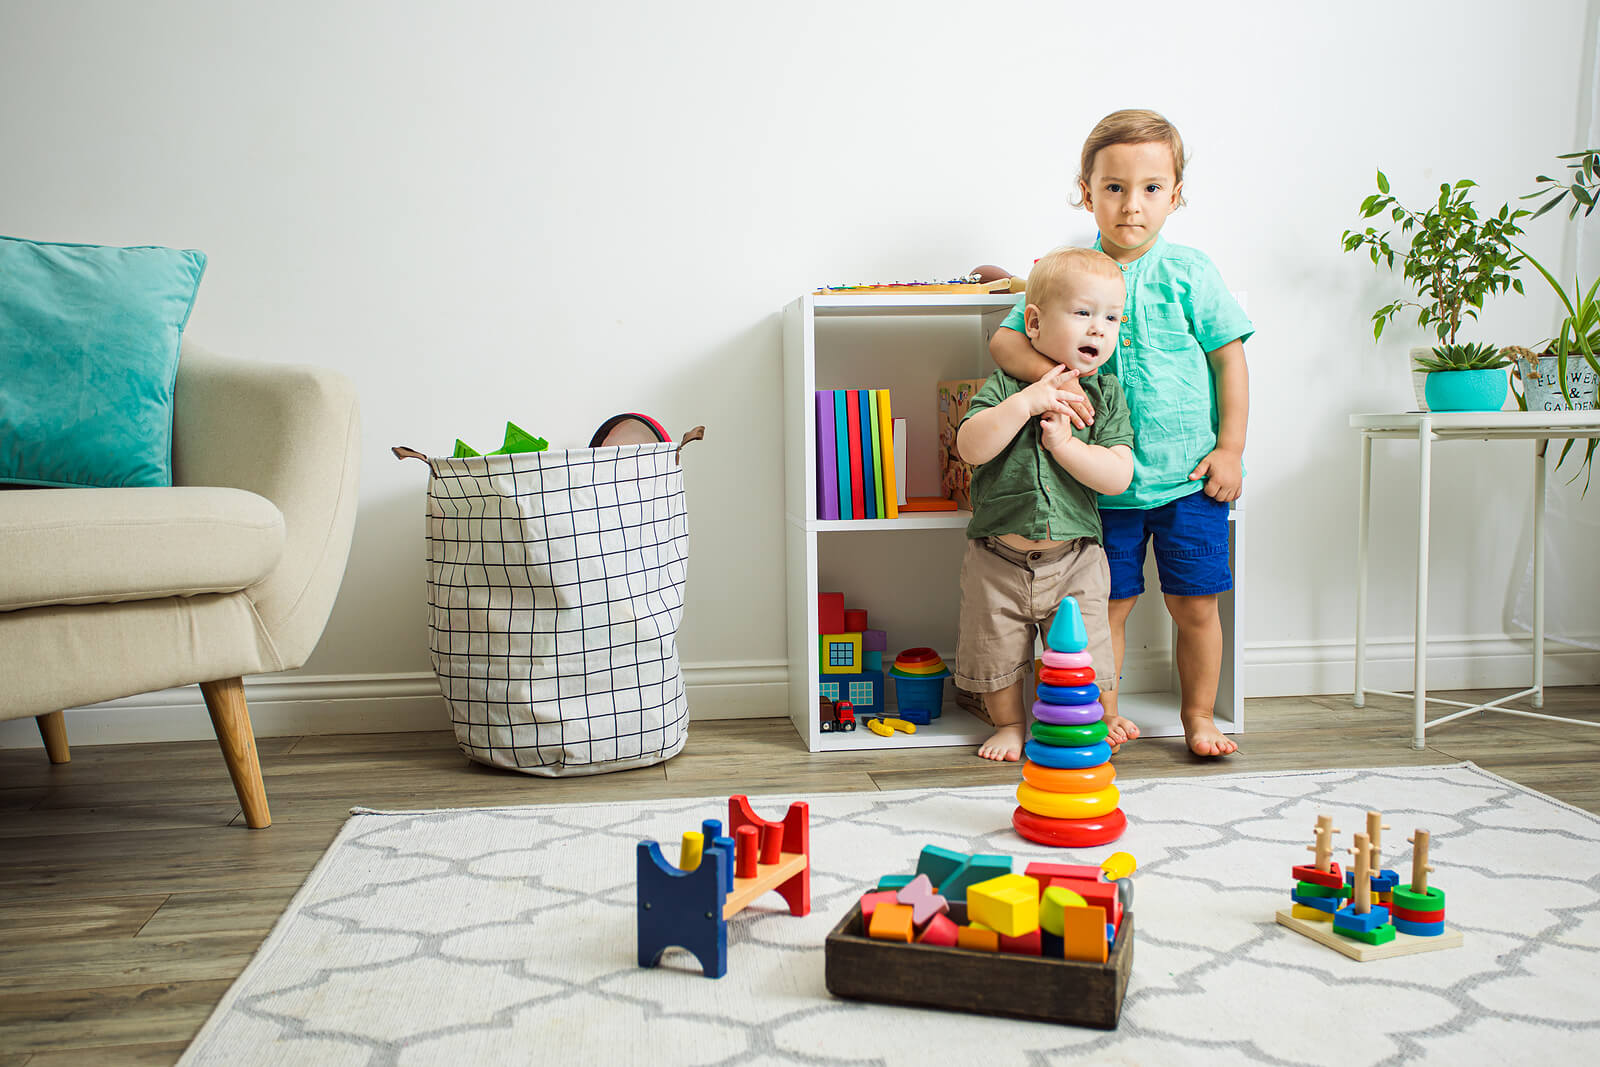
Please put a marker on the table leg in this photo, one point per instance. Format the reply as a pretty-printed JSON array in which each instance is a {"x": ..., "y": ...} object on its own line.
[
  {"x": 1363, "y": 520},
  {"x": 1539, "y": 448},
  {"x": 1419, "y": 696}
]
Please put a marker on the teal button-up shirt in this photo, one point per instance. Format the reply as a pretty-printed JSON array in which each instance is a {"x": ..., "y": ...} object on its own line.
[{"x": 1177, "y": 310}]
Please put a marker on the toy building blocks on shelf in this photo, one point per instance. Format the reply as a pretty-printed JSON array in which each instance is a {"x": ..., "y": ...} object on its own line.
[
  {"x": 690, "y": 907},
  {"x": 1382, "y": 917},
  {"x": 850, "y": 663},
  {"x": 1068, "y": 797}
]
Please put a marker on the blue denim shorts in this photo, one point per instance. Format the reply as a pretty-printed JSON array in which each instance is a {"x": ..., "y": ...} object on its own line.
[{"x": 1191, "y": 536}]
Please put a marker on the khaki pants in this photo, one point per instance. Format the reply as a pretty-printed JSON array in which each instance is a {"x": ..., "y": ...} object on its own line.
[{"x": 1009, "y": 597}]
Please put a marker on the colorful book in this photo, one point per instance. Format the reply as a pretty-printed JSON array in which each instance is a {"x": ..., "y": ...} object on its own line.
[
  {"x": 841, "y": 437},
  {"x": 885, "y": 496},
  {"x": 869, "y": 479},
  {"x": 891, "y": 477},
  {"x": 852, "y": 409},
  {"x": 827, "y": 461},
  {"x": 900, "y": 460}
]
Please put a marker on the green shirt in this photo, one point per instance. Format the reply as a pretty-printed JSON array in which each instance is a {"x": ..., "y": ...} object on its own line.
[
  {"x": 1177, "y": 310},
  {"x": 1023, "y": 490}
]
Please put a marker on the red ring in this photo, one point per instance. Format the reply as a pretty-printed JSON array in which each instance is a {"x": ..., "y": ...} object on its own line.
[
  {"x": 1066, "y": 675},
  {"x": 1069, "y": 833},
  {"x": 917, "y": 655}
]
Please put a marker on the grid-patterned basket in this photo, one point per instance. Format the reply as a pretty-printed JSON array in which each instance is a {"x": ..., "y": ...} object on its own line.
[{"x": 555, "y": 591}]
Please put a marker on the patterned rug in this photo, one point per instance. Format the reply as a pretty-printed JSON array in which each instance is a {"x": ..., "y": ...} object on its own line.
[{"x": 507, "y": 936}]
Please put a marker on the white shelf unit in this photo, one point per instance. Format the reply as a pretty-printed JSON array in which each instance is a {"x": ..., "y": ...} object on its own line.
[{"x": 905, "y": 571}]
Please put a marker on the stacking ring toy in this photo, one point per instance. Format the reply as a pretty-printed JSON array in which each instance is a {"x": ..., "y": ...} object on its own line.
[
  {"x": 1068, "y": 780},
  {"x": 917, "y": 655},
  {"x": 1067, "y": 660},
  {"x": 1416, "y": 929},
  {"x": 1068, "y": 805},
  {"x": 1068, "y": 714},
  {"x": 1087, "y": 734},
  {"x": 1068, "y": 694},
  {"x": 1066, "y": 675},
  {"x": 1070, "y": 758},
  {"x": 1430, "y": 899},
  {"x": 1069, "y": 833},
  {"x": 933, "y": 666}
]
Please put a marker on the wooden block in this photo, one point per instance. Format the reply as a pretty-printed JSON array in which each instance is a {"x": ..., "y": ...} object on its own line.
[
  {"x": 895, "y": 881},
  {"x": 690, "y": 851},
  {"x": 1316, "y": 915},
  {"x": 747, "y": 889},
  {"x": 1026, "y": 945},
  {"x": 941, "y": 930},
  {"x": 1056, "y": 900},
  {"x": 1098, "y": 894},
  {"x": 1416, "y": 916},
  {"x": 984, "y": 983},
  {"x": 1008, "y": 904},
  {"x": 1333, "y": 878},
  {"x": 979, "y": 868},
  {"x": 1418, "y": 929},
  {"x": 891, "y": 922},
  {"x": 1402, "y": 945},
  {"x": 978, "y": 938},
  {"x": 922, "y": 900},
  {"x": 1326, "y": 905},
  {"x": 830, "y": 613},
  {"x": 1046, "y": 872},
  {"x": 1378, "y": 935},
  {"x": 1083, "y": 934},
  {"x": 1347, "y": 918},
  {"x": 870, "y": 901},
  {"x": 1312, "y": 889},
  {"x": 940, "y": 863}
]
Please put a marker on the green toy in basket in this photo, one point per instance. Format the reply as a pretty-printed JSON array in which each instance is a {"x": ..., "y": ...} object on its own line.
[{"x": 517, "y": 440}]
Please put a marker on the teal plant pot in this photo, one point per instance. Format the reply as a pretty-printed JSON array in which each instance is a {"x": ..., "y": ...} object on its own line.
[{"x": 1466, "y": 390}]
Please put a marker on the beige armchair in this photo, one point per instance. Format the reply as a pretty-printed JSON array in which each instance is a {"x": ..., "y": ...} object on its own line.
[{"x": 109, "y": 593}]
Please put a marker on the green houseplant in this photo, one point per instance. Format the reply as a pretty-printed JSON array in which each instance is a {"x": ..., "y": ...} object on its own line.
[{"x": 1455, "y": 259}]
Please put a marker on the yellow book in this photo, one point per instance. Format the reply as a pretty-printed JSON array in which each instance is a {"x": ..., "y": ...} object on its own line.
[
  {"x": 891, "y": 491},
  {"x": 874, "y": 444}
]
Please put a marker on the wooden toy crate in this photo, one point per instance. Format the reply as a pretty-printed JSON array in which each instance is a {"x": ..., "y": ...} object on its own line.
[{"x": 984, "y": 983}]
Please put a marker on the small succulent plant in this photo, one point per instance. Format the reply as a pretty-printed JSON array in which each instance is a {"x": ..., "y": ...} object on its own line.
[{"x": 1463, "y": 357}]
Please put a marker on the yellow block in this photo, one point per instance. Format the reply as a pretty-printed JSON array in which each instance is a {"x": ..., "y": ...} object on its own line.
[
  {"x": 689, "y": 852},
  {"x": 1083, "y": 934},
  {"x": 978, "y": 937},
  {"x": 1056, "y": 900},
  {"x": 1118, "y": 865},
  {"x": 1008, "y": 904},
  {"x": 1316, "y": 915},
  {"x": 1068, "y": 805}
]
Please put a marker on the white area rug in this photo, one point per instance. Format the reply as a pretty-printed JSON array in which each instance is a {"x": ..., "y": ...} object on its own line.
[{"x": 507, "y": 936}]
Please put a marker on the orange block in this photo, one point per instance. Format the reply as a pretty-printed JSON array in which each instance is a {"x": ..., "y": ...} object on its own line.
[
  {"x": 892, "y": 922},
  {"x": 1083, "y": 934},
  {"x": 980, "y": 938}
]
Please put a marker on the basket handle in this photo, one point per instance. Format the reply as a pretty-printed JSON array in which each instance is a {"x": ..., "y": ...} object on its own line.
[
  {"x": 696, "y": 434},
  {"x": 402, "y": 452}
]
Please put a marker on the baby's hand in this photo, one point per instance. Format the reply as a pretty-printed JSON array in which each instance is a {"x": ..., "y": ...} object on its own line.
[
  {"x": 1055, "y": 430},
  {"x": 1048, "y": 395}
]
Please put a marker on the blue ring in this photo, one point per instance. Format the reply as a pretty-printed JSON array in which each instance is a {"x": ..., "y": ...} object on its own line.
[
  {"x": 1406, "y": 926},
  {"x": 1068, "y": 694},
  {"x": 1065, "y": 758}
]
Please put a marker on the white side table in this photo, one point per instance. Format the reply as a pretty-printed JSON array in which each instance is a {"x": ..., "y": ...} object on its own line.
[{"x": 1426, "y": 427}]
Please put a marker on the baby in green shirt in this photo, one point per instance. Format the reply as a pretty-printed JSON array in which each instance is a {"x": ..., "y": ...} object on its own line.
[{"x": 1035, "y": 534}]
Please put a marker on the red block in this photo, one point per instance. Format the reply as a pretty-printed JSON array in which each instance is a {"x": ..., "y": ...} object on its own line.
[
  {"x": 1333, "y": 878},
  {"x": 1023, "y": 944},
  {"x": 941, "y": 930},
  {"x": 1102, "y": 895},
  {"x": 830, "y": 613},
  {"x": 1043, "y": 872},
  {"x": 871, "y": 900},
  {"x": 855, "y": 620}
]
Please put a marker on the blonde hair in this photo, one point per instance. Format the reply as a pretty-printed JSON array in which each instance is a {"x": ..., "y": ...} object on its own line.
[
  {"x": 1048, "y": 278},
  {"x": 1130, "y": 126}
]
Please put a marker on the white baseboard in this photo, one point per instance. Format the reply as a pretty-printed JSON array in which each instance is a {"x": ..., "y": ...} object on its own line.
[{"x": 293, "y": 705}]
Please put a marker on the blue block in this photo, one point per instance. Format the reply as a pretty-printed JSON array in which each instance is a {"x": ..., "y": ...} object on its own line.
[
  {"x": 1347, "y": 919},
  {"x": 1066, "y": 629},
  {"x": 977, "y": 869},
  {"x": 683, "y": 908},
  {"x": 1111, "y": 935},
  {"x": 1327, "y": 904},
  {"x": 940, "y": 863},
  {"x": 1070, "y": 758},
  {"x": 1069, "y": 695},
  {"x": 915, "y": 716},
  {"x": 896, "y": 881},
  {"x": 1385, "y": 881},
  {"x": 726, "y": 846},
  {"x": 1406, "y": 926}
]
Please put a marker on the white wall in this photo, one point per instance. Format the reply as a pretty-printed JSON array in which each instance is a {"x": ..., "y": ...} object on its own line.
[{"x": 551, "y": 212}]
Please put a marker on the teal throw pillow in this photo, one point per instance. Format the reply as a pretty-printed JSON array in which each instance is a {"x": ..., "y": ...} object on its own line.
[{"x": 89, "y": 339}]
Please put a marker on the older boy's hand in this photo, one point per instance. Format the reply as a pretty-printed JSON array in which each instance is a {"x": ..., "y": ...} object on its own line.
[
  {"x": 1080, "y": 409},
  {"x": 1049, "y": 394},
  {"x": 1223, "y": 471}
]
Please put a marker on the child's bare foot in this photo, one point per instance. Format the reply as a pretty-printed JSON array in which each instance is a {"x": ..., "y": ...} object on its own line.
[
  {"x": 1006, "y": 744},
  {"x": 1200, "y": 730},
  {"x": 1119, "y": 730}
]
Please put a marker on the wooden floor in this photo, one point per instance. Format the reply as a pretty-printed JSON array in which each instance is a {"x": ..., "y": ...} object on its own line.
[{"x": 131, "y": 894}]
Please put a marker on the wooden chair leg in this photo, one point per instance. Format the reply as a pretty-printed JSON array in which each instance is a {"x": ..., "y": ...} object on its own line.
[
  {"x": 230, "y": 717},
  {"x": 53, "y": 728}
]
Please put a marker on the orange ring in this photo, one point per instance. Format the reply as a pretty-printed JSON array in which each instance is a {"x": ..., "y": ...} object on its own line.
[{"x": 1061, "y": 780}]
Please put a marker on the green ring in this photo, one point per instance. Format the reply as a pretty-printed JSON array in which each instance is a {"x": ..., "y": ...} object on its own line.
[
  {"x": 1050, "y": 733},
  {"x": 1407, "y": 898}
]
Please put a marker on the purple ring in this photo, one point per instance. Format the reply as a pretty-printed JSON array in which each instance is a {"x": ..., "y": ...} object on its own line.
[{"x": 1068, "y": 714}]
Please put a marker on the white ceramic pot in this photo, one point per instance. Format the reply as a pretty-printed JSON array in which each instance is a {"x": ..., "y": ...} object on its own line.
[{"x": 1419, "y": 378}]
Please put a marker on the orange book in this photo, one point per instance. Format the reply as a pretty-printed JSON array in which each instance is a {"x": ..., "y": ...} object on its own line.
[{"x": 928, "y": 503}]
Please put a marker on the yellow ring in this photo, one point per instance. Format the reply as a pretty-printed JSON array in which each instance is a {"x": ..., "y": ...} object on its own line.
[
  {"x": 1068, "y": 805},
  {"x": 931, "y": 667}
]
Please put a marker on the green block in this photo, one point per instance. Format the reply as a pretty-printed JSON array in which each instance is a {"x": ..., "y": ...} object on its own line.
[
  {"x": 1376, "y": 936},
  {"x": 978, "y": 869},
  {"x": 896, "y": 881},
  {"x": 520, "y": 440},
  {"x": 1312, "y": 889},
  {"x": 939, "y": 863}
]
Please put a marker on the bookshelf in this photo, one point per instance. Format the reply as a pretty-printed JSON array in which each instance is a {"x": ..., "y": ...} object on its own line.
[{"x": 905, "y": 571}]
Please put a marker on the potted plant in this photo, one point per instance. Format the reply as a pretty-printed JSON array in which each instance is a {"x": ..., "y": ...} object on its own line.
[
  {"x": 1552, "y": 379},
  {"x": 1464, "y": 378},
  {"x": 1454, "y": 261}
]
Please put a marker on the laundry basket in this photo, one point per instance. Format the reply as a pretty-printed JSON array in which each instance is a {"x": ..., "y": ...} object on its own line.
[{"x": 555, "y": 591}]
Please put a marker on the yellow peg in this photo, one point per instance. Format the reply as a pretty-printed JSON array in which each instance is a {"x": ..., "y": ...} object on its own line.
[
  {"x": 1118, "y": 865},
  {"x": 694, "y": 843}
]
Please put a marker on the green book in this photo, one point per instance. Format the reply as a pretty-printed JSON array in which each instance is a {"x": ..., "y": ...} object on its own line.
[{"x": 876, "y": 439}]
